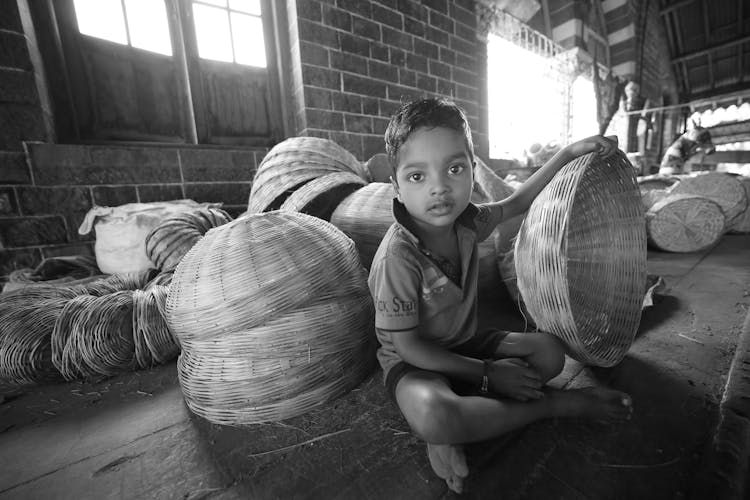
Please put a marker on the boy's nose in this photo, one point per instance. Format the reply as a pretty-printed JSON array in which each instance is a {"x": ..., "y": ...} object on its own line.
[{"x": 439, "y": 186}]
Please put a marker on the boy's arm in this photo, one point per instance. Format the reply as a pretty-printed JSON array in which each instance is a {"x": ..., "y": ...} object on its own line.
[
  {"x": 430, "y": 356},
  {"x": 520, "y": 201}
]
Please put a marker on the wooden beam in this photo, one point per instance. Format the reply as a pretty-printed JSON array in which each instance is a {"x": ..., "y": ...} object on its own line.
[
  {"x": 674, "y": 7},
  {"x": 718, "y": 46},
  {"x": 739, "y": 156}
]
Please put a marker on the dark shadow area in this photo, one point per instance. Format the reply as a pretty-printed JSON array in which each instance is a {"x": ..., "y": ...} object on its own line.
[{"x": 665, "y": 307}]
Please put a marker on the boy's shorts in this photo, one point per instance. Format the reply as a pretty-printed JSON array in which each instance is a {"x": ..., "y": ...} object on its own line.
[{"x": 481, "y": 346}]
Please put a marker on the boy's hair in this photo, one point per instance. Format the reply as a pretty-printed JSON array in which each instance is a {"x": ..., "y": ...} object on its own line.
[{"x": 428, "y": 112}]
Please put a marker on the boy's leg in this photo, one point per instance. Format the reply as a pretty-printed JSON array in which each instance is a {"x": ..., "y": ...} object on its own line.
[
  {"x": 445, "y": 420},
  {"x": 543, "y": 351}
]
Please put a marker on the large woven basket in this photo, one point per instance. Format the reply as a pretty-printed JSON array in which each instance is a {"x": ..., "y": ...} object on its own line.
[
  {"x": 685, "y": 223},
  {"x": 656, "y": 181},
  {"x": 742, "y": 223},
  {"x": 274, "y": 317},
  {"x": 724, "y": 189},
  {"x": 294, "y": 162},
  {"x": 168, "y": 242},
  {"x": 581, "y": 258},
  {"x": 321, "y": 196},
  {"x": 365, "y": 216}
]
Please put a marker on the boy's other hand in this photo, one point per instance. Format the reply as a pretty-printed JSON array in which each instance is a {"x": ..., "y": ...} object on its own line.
[
  {"x": 514, "y": 378},
  {"x": 603, "y": 146}
]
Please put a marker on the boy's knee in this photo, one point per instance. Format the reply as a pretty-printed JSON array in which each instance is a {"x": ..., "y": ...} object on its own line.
[
  {"x": 432, "y": 415},
  {"x": 550, "y": 352}
]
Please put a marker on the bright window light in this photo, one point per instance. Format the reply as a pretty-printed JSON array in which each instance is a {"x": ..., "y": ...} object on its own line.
[
  {"x": 248, "y": 40},
  {"x": 212, "y": 31},
  {"x": 583, "y": 110},
  {"x": 147, "y": 23},
  {"x": 101, "y": 19},
  {"x": 526, "y": 99},
  {"x": 247, "y": 6}
]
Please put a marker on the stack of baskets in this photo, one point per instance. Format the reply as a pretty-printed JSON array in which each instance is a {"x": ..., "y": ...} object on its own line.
[
  {"x": 581, "y": 258},
  {"x": 693, "y": 212},
  {"x": 293, "y": 163},
  {"x": 274, "y": 317}
]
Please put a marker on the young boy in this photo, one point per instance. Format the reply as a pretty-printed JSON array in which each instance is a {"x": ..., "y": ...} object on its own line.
[{"x": 424, "y": 283}]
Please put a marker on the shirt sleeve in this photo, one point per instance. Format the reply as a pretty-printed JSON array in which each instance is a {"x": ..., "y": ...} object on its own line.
[
  {"x": 394, "y": 285},
  {"x": 482, "y": 222}
]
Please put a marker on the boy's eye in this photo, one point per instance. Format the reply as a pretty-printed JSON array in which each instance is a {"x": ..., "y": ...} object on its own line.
[
  {"x": 456, "y": 169},
  {"x": 416, "y": 177}
]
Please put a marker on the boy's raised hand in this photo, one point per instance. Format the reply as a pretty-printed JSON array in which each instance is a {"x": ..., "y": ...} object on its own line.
[
  {"x": 514, "y": 378},
  {"x": 604, "y": 146}
]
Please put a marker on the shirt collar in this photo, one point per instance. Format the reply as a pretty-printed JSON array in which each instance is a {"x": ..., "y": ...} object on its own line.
[{"x": 405, "y": 220}]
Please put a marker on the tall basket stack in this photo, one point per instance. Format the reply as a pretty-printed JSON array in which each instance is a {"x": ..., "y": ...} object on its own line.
[
  {"x": 581, "y": 258},
  {"x": 292, "y": 164},
  {"x": 274, "y": 317}
]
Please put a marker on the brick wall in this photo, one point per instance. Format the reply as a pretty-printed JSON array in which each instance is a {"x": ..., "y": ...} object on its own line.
[{"x": 359, "y": 59}]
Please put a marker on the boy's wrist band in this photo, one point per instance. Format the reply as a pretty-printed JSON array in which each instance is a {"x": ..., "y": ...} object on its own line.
[{"x": 485, "y": 387}]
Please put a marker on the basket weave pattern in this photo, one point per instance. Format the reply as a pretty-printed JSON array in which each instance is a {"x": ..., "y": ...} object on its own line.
[
  {"x": 684, "y": 223},
  {"x": 742, "y": 223},
  {"x": 719, "y": 187},
  {"x": 581, "y": 258},
  {"x": 292, "y": 163},
  {"x": 274, "y": 317}
]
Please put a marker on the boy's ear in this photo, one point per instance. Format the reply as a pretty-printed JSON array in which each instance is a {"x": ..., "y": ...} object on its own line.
[{"x": 395, "y": 187}]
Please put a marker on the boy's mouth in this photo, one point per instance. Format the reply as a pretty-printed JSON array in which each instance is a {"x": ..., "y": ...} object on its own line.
[{"x": 440, "y": 208}]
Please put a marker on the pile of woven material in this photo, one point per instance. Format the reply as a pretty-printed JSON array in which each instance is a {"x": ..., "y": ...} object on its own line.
[
  {"x": 104, "y": 326},
  {"x": 693, "y": 212}
]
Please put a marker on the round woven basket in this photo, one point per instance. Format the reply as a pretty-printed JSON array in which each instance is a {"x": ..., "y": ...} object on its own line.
[
  {"x": 581, "y": 258},
  {"x": 168, "y": 242},
  {"x": 685, "y": 223},
  {"x": 321, "y": 196},
  {"x": 274, "y": 317},
  {"x": 365, "y": 216},
  {"x": 294, "y": 162},
  {"x": 656, "y": 181},
  {"x": 741, "y": 224},
  {"x": 651, "y": 196},
  {"x": 724, "y": 189}
]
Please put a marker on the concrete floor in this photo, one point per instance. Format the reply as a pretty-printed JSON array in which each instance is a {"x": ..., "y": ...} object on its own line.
[{"x": 131, "y": 436}]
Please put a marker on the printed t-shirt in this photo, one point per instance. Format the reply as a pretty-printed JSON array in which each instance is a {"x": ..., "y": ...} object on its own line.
[{"x": 410, "y": 290}]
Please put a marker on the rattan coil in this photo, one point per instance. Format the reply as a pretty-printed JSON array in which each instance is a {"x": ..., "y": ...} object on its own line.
[
  {"x": 724, "y": 189},
  {"x": 154, "y": 342},
  {"x": 581, "y": 258},
  {"x": 321, "y": 196},
  {"x": 254, "y": 294},
  {"x": 742, "y": 223},
  {"x": 292, "y": 163},
  {"x": 365, "y": 216},
  {"x": 685, "y": 223},
  {"x": 168, "y": 242}
]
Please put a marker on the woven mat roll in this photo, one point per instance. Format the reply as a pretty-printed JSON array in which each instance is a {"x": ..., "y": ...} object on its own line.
[
  {"x": 365, "y": 216},
  {"x": 724, "y": 189},
  {"x": 685, "y": 223},
  {"x": 168, "y": 242},
  {"x": 292, "y": 163},
  {"x": 321, "y": 196},
  {"x": 742, "y": 223},
  {"x": 581, "y": 258},
  {"x": 273, "y": 315}
]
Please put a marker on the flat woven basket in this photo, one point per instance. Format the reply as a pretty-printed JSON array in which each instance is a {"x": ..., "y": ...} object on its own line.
[
  {"x": 685, "y": 223},
  {"x": 724, "y": 189},
  {"x": 168, "y": 242},
  {"x": 742, "y": 223},
  {"x": 581, "y": 258},
  {"x": 274, "y": 317},
  {"x": 656, "y": 181},
  {"x": 321, "y": 196},
  {"x": 294, "y": 162},
  {"x": 365, "y": 216}
]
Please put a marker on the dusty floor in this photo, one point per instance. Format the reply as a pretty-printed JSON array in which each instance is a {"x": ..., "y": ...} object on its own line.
[{"x": 131, "y": 436}]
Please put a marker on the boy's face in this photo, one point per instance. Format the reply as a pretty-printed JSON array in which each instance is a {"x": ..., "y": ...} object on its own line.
[{"x": 434, "y": 176}]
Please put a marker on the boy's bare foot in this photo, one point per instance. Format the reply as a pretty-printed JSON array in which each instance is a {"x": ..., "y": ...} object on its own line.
[
  {"x": 599, "y": 403},
  {"x": 449, "y": 462}
]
